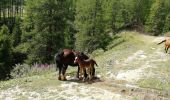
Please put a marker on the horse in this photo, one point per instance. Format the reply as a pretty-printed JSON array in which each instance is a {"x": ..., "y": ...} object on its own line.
[
  {"x": 167, "y": 44},
  {"x": 85, "y": 64},
  {"x": 66, "y": 57}
]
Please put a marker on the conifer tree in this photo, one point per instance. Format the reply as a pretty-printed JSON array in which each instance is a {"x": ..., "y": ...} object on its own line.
[
  {"x": 156, "y": 18},
  {"x": 89, "y": 22},
  {"x": 5, "y": 53},
  {"x": 45, "y": 25}
]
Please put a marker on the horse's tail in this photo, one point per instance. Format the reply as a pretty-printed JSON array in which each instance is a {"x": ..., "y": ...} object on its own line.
[
  {"x": 162, "y": 41},
  {"x": 57, "y": 58}
]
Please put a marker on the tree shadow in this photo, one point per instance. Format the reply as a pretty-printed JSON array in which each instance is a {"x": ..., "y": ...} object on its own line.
[{"x": 116, "y": 40}]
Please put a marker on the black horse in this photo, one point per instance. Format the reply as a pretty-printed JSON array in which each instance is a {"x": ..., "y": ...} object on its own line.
[{"x": 65, "y": 58}]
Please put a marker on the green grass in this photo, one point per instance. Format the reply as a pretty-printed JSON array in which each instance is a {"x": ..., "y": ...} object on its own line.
[
  {"x": 160, "y": 79},
  {"x": 133, "y": 42},
  {"x": 40, "y": 82},
  {"x": 128, "y": 43},
  {"x": 135, "y": 98},
  {"x": 34, "y": 82},
  {"x": 155, "y": 83}
]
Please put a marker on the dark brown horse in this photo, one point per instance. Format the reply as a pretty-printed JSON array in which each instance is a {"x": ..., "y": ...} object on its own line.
[
  {"x": 85, "y": 64},
  {"x": 65, "y": 58}
]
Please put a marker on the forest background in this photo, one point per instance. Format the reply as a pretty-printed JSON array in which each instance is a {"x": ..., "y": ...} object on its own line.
[{"x": 32, "y": 31}]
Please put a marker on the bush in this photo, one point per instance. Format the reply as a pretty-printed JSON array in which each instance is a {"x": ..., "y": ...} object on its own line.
[
  {"x": 20, "y": 70},
  {"x": 25, "y": 70}
]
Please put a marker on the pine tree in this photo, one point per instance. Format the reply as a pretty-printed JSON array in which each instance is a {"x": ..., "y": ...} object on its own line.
[
  {"x": 141, "y": 10},
  {"x": 17, "y": 32},
  {"x": 167, "y": 19},
  {"x": 45, "y": 24},
  {"x": 156, "y": 18},
  {"x": 111, "y": 8},
  {"x": 69, "y": 33},
  {"x": 167, "y": 24},
  {"x": 89, "y": 22},
  {"x": 5, "y": 53}
]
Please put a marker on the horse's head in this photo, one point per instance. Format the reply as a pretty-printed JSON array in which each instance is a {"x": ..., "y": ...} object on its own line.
[
  {"x": 83, "y": 56},
  {"x": 76, "y": 60}
]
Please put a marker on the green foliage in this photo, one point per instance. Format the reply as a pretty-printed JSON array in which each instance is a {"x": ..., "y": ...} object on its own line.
[
  {"x": 5, "y": 52},
  {"x": 69, "y": 32},
  {"x": 51, "y": 25},
  {"x": 117, "y": 13},
  {"x": 48, "y": 28},
  {"x": 89, "y": 22},
  {"x": 9, "y": 9},
  {"x": 20, "y": 70},
  {"x": 25, "y": 70},
  {"x": 142, "y": 10},
  {"x": 17, "y": 32},
  {"x": 157, "y": 17},
  {"x": 167, "y": 24}
]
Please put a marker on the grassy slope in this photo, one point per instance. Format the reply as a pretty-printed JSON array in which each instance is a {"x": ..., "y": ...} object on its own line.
[
  {"x": 111, "y": 62},
  {"x": 134, "y": 42},
  {"x": 116, "y": 60}
]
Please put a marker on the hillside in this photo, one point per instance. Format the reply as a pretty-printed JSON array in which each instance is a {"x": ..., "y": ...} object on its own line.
[{"x": 133, "y": 68}]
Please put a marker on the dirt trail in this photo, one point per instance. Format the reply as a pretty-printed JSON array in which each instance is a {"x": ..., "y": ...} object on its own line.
[{"x": 156, "y": 55}]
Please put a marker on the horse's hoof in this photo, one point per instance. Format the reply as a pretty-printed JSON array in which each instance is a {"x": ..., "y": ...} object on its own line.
[
  {"x": 77, "y": 76},
  {"x": 83, "y": 80},
  {"x": 90, "y": 79},
  {"x": 59, "y": 78},
  {"x": 80, "y": 78},
  {"x": 63, "y": 79}
]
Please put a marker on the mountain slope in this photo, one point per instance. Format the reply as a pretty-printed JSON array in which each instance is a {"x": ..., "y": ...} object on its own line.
[{"x": 134, "y": 68}]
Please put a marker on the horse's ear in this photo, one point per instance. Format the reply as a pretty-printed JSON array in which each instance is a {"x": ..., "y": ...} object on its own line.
[
  {"x": 76, "y": 55},
  {"x": 82, "y": 53}
]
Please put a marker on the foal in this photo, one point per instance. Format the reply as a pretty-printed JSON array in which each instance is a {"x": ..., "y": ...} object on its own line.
[
  {"x": 66, "y": 57},
  {"x": 85, "y": 64},
  {"x": 167, "y": 44}
]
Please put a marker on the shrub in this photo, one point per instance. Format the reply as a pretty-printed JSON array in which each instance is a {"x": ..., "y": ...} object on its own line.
[{"x": 25, "y": 70}]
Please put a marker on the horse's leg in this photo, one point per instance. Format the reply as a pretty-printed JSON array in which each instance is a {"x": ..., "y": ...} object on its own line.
[
  {"x": 93, "y": 71},
  {"x": 83, "y": 69},
  {"x": 63, "y": 72},
  {"x": 78, "y": 71},
  {"x": 89, "y": 73},
  {"x": 59, "y": 66},
  {"x": 81, "y": 72},
  {"x": 85, "y": 73},
  {"x": 165, "y": 49}
]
